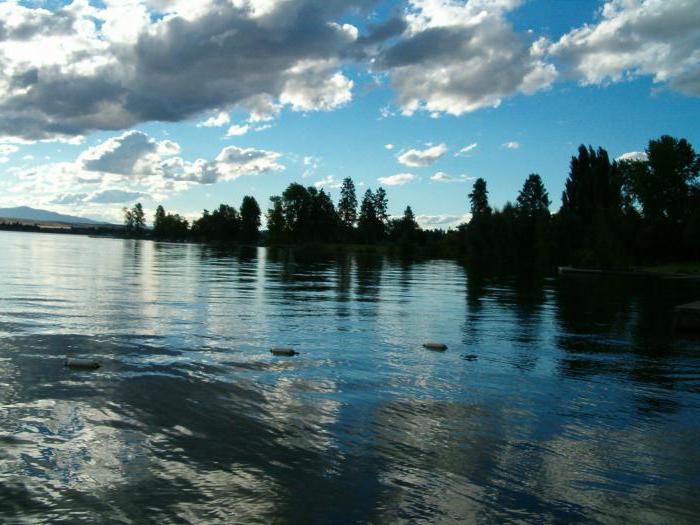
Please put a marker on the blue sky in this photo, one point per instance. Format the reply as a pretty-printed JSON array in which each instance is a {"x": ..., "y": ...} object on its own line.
[{"x": 115, "y": 115}]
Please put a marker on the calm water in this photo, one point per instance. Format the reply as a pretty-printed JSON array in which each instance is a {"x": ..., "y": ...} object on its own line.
[{"x": 580, "y": 405}]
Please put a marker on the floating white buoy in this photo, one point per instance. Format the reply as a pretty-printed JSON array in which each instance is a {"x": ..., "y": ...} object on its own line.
[
  {"x": 440, "y": 347},
  {"x": 283, "y": 351},
  {"x": 81, "y": 364}
]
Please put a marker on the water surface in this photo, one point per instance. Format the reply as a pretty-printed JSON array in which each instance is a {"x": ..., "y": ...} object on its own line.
[{"x": 561, "y": 400}]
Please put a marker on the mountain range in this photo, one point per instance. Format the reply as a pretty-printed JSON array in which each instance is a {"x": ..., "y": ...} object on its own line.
[{"x": 26, "y": 213}]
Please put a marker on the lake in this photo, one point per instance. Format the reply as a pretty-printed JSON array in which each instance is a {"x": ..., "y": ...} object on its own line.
[{"x": 558, "y": 400}]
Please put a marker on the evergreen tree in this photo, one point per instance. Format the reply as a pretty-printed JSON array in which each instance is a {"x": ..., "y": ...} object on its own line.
[
  {"x": 405, "y": 230},
  {"x": 381, "y": 205},
  {"x": 479, "y": 199},
  {"x": 591, "y": 216},
  {"x": 326, "y": 217},
  {"x": 347, "y": 206},
  {"x": 533, "y": 200},
  {"x": 369, "y": 225},
  {"x": 250, "y": 219}
]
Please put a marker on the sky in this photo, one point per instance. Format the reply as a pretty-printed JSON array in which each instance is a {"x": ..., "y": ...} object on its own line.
[{"x": 192, "y": 104}]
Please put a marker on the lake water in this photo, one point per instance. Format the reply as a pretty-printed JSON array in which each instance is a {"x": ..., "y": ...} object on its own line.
[{"x": 562, "y": 400}]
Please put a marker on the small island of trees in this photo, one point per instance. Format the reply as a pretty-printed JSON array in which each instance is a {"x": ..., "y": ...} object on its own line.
[{"x": 613, "y": 214}]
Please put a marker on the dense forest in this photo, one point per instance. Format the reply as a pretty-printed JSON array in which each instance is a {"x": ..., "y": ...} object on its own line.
[{"x": 613, "y": 214}]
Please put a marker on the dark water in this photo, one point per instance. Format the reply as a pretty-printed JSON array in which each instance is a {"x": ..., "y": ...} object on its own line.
[{"x": 580, "y": 405}]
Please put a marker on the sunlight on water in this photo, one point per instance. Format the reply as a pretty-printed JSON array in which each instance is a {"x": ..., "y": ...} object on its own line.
[{"x": 557, "y": 401}]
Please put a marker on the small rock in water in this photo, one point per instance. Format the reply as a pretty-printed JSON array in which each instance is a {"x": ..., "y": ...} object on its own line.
[
  {"x": 81, "y": 364},
  {"x": 471, "y": 357},
  {"x": 283, "y": 351},
  {"x": 440, "y": 347}
]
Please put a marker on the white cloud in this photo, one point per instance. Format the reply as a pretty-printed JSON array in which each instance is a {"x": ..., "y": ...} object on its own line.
[
  {"x": 216, "y": 121},
  {"x": 68, "y": 70},
  {"x": 416, "y": 158},
  {"x": 237, "y": 130},
  {"x": 234, "y": 162},
  {"x": 633, "y": 156},
  {"x": 441, "y": 176},
  {"x": 132, "y": 153},
  {"x": 389, "y": 146},
  {"x": 6, "y": 149},
  {"x": 659, "y": 38},
  {"x": 328, "y": 182},
  {"x": 133, "y": 166},
  {"x": 511, "y": 145},
  {"x": 466, "y": 149},
  {"x": 315, "y": 85},
  {"x": 442, "y": 221},
  {"x": 397, "y": 180},
  {"x": 456, "y": 57}
]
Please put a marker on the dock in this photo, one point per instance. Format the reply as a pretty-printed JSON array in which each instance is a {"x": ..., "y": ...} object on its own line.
[{"x": 688, "y": 316}]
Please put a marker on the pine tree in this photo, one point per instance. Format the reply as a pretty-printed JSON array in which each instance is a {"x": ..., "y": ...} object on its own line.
[
  {"x": 250, "y": 219},
  {"x": 479, "y": 199},
  {"x": 347, "y": 206},
  {"x": 533, "y": 199}
]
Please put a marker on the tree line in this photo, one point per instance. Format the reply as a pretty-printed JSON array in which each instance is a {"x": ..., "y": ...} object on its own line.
[{"x": 612, "y": 214}]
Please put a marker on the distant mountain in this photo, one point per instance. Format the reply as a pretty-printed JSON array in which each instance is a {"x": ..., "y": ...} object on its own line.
[{"x": 32, "y": 214}]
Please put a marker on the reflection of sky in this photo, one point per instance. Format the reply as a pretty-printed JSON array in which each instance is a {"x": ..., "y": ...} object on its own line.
[{"x": 572, "y": 409}]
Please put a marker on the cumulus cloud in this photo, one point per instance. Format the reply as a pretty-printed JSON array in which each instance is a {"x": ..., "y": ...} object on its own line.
[
  {"x": 234, "y": 162},
  {"x": 133, "y": 152},
  {"x": 633, "y": 156},
  {"x": 79, "y": 67},
  {"x": 67, "y": 69},
  {"x": 216, "y": 121},
  {"x": 466, "y": 149},
  {"x": 237, "y": 130},
  {"x": 397, "y": 180},
  {"x": 315, "y": 86},
  {"x": 389, "y": 146},
  {"x": 134, "y": 166},
  {"x": 441, "y": 176},
  {"x": 456, "y": 57},
  {"x": 416, "y": 158},
  {"x": 511, "y": 145},
  {"x": 659, "y": 38}
]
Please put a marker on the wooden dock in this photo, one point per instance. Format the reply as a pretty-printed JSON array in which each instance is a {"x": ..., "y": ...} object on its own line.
[{"x": 688, "y": 316}]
